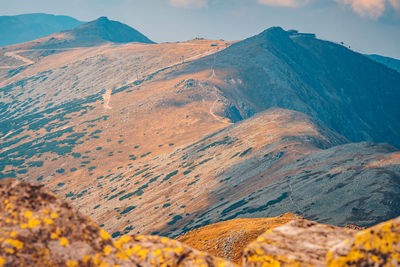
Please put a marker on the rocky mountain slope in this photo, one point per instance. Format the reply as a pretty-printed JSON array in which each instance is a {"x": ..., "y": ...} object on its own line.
[
  {"x": 154, "y": 138},
  {"x": 38, "y": 229},
  {"x": 28, "y": 27}
]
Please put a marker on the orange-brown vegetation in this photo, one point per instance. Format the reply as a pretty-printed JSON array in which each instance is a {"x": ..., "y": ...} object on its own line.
[{"x": 228, "y": 239}]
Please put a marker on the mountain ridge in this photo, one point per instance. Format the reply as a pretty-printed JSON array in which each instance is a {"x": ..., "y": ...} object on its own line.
[
  {"x": 275, "y": 69},
  {"x": 27, "y": 27}
]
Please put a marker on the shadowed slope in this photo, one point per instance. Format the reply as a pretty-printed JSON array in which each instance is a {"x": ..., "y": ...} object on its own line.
[{"x": 280, "y": 161}]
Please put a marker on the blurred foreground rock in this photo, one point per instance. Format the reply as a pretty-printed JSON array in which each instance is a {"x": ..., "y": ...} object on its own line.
[
  {"x": 376, "y": 246},
  {"x": 297, "y": 243},
  {"x": 38, "y": 229}
]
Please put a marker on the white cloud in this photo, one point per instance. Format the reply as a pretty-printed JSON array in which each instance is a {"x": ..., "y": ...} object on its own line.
[
  {"x": 371, "y": 8},
  {"x": 395, "y": 4},
  {"x": 283, "y": 3},
  {"x": 189, "y": 3},
  {"x": 204, "y": 3}
]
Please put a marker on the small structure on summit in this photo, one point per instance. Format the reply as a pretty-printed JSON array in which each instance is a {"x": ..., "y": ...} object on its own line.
[{"x": 296, "y": 33}]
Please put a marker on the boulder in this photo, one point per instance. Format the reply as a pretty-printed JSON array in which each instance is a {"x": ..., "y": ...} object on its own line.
[{"x": 297, "y": 243}]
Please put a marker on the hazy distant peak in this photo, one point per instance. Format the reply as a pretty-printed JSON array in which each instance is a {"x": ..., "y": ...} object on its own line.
[
  {"x": 102, "y": 19},
  {"x": 28, "y": 27},
  {"x": 103, "y": 30},
  {"x": 273, "y": 30}
]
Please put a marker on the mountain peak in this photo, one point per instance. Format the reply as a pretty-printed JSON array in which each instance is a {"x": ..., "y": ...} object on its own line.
[
  {"x": 269, "y": 37},
  {"x": 105, "y": 30},
  {"x": 277, "y": 33},
  {"x": 273, "y": 31},
  {"x": 96, "y": 32},
  {"x": 103, "y": 19}
]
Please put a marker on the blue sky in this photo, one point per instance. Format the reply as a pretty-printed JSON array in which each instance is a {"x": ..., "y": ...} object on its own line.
[{"x": 368, "y": 26}]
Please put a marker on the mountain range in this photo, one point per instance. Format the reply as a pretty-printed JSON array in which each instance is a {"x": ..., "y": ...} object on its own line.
[
  {"x": 166, "y": 138},
  {"x": 28, "y": 27}
]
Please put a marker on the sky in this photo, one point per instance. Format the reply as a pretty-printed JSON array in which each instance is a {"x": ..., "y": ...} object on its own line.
[{"x": 368, "y": 26}]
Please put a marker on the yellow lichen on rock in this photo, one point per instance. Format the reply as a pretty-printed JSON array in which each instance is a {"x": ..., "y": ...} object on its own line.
[
  {"x": 15, "y": 243},
  {"x": 379, "y": 246},
  {"x": 161, "y": 251},
  {"x": 38, "y": 229},
  {"x": 69, "y": 239},
  {"x": 297, "y": 243},
  {"x": 64, "y": 242},
  {"x": 104, "y": 234}
]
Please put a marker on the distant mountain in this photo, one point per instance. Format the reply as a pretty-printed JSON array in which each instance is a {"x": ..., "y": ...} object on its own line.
[
  {"x": 94, "y": 33},
  {"x": 350, "y": 93},
  {"x": 387, "y": 61},
  {"x": 27, "y": 27}
]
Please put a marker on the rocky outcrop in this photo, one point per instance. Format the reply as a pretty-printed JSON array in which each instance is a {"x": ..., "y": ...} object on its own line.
[
  {"x": 299, "y": 242},
  {"x": 306, "y": 243},
  {"x": 377, "y": 246},
  {"x": 38, "y": 229}
]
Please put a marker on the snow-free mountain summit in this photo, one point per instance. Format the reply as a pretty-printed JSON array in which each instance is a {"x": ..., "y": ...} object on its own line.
[{"x": 98, "y": 32}]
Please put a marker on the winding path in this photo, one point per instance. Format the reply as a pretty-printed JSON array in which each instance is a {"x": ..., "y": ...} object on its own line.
[
  {"x": 27, "y": 61},
  {"x": 15, "y": 55},
  {"x": 217, "y": 98}
]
